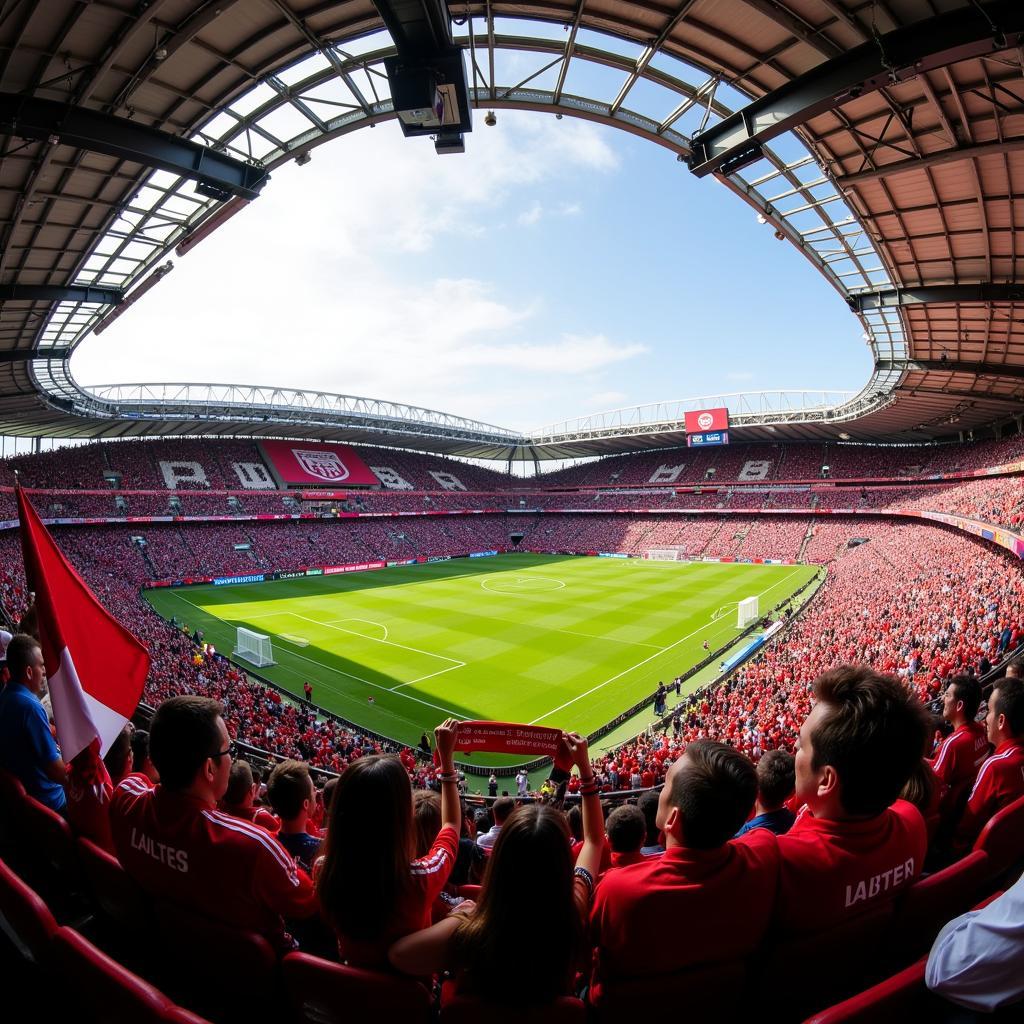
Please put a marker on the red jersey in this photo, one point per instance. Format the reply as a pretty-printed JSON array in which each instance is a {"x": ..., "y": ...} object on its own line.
[
  {"x": 627, "y": 857},
  {"x": 1000, "y": 782},
  {"x": 184, "y": 850},
  {"x": 429, "y": 875},
  {"x": 88, "y": 809},
  {"x": 961, "y": 755},
  {"x": 257, "y": 815},
  {"x": 730, "y": 890},
  {"x": 832, "y": 870}
]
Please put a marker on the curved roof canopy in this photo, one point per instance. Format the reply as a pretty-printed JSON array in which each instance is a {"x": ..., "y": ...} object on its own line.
[{"x": 884, "y": 139}]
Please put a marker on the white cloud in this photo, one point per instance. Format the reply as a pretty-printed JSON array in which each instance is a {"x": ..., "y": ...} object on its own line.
[
  {"x": 318, "y": 283},
  {"x": 739, "y": 375},
  {"x": 570, "y": 209},
  {"x": 530, "y": 216},
  {"x": 570, "y": 354}
]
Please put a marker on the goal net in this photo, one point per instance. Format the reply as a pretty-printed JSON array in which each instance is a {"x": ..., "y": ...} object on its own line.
[
  {"x": 254, "y": 647},
  {"x": 674, "y": 554},
  {"x": 748, "y": 612}
]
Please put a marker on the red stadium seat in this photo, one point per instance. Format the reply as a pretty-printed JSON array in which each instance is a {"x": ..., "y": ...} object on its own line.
[
  {"x": 1002, "y": 839},
  {"x": 898, "y": 999},
  {"x": 50, "y": 837},
  {"x": 12, "y": 801},
  {"x": 225, "y": 972},
  {"x": 26, "y": 915},
  {"x": 115, "y": 892},
  {"x": 322, "y": 992},
  {"x": 463, "y": 1009},
  {"x": 709, "y": 992},
  {"x": 470, "y": 892},
  {"x": 932, "y": 901},
  {"x": 12, "y": 794},
  {"x": 108, "y": 992},
  {"x": 853, "y": 952}
]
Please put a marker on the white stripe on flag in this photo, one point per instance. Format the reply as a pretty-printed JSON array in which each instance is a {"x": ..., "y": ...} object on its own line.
[{"x": 78, "y": 716}]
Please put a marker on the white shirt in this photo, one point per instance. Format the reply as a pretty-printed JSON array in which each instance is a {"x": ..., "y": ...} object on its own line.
[
  {"x": 489, "y": 838},
  {"x": 521, "y": 782},
  {"x": 976, "y": 959}
]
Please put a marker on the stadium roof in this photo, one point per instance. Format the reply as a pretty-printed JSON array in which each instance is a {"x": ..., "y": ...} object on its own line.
[{"x": 885, "y": 139}]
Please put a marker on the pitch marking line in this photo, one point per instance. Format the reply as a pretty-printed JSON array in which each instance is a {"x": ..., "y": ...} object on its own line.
[
  {"x": 369, "y": 622},
  {"x": 390, "y": 643},
  {"x": 336, "y": 671},
  {"x": 521, "y": 579},
  {"x": 439, "y": 672},
  {"x": 639, "y": 664}
]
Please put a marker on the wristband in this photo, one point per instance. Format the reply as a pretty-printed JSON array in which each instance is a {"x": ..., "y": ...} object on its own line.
[
  {"x": 586, "y": 781},
  {"x": 587, "y": 877}
]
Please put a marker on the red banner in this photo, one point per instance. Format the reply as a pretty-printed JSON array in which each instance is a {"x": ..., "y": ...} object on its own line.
[
  {"x": 507, "y": 738},
  {"x": 703, "y": 420},
  {"x": 313, "y": 462}
]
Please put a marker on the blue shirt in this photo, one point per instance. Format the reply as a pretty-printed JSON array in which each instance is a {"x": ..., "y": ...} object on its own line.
[
  {"x": 302, "y": 846},
  {"x": 779, "y": 822},
  {"x": 27, "y": 746}
]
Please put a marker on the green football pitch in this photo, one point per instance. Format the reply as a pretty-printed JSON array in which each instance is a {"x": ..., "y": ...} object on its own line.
[{"x": 562, "y": 641}]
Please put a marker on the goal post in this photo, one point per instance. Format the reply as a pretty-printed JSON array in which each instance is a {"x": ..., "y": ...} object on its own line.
[
  {"x": 669, "y": 554},
  {"x": 748, "y": 612},
  {"x": 254, "y": 647}
]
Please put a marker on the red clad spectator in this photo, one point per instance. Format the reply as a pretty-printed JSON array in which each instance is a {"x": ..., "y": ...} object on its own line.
[
  {"x": 89, "y": 792},
  {"x": 530, "y": 878},
  {"x": 627, "y": 829},
  {"x": 1001, "y": 778},
  {"x": 239, "y": 799},
  {"x": 372, "y": 888},
  {"x": 179, "y": 847},
  {"x": 962, "y": 753},
  {"x": 852, "y": 847},
  {"x": 701, "y": 876}
]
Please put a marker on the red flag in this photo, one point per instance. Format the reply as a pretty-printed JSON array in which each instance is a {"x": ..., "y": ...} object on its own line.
[{"x": 95, "y": 667}]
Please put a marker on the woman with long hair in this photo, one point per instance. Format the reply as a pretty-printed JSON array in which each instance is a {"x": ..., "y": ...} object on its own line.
[
  {"x": 532, "y": 898},
  {"x": 372, "y": 887}
]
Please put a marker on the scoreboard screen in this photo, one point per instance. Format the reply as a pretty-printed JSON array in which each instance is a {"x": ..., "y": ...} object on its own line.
[{"x": 706, "y": 421}]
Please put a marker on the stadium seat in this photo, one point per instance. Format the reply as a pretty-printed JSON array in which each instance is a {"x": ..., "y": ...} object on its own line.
[
  {"x": 12, "y": 800},
  {"x": 854, "y": 954},
  {"x": 227, "y": 973},
  {"x": 1001, "y": 839},
  {"x": 108, "y": 992},
  {"x": 464, "y": 1009},
  {"x": 126, "y": 919},
  {"x": 322, "y": 992},
  {"x": 115, "y": 892},
  {"x": 712, "y": 992},
  {"x": 898, "y": 999},
  {"x": 932, "y": 901},
  {"x": 50, "y": 836},
  {"x": 470, "y": 892},
  {"x": 26, "y": 915}
]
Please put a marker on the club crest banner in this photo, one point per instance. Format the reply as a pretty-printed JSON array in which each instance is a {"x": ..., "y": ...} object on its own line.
[{"x": 314, "y": 462}]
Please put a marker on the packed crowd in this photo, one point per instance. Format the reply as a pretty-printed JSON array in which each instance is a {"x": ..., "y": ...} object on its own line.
[{"x": 800, "y": 848}]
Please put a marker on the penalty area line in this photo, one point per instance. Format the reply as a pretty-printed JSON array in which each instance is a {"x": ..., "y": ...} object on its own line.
[
  {"x": 338, "y": 671},
  {"x": 640, "y": 664}
]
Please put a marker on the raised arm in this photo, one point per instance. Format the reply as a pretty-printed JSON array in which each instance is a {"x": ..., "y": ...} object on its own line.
[
  {"x": 588, "y": 863},
  {"x": 451, "y": 806}
]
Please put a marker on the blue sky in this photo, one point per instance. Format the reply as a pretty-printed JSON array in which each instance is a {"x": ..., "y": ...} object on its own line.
[{"x": 557, "y": 268}]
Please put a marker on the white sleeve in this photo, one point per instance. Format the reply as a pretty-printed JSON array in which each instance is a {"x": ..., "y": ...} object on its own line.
[{"x": 976, "y": 959}]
